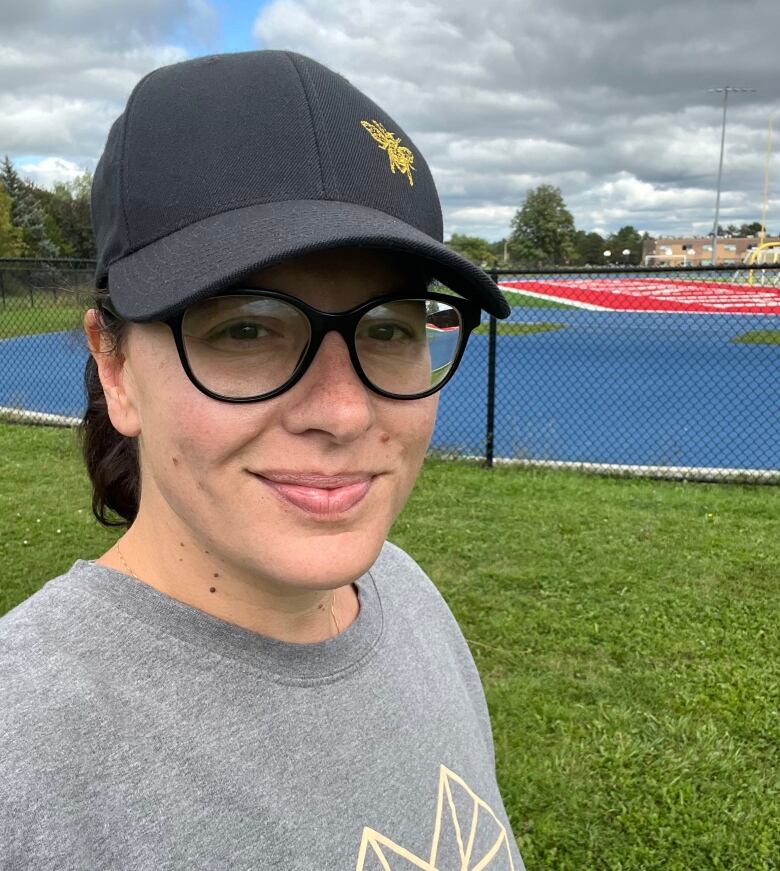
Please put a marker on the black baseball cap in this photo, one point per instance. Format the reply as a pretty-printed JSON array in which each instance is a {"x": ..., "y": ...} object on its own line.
[{"x": 223, "y": 165}]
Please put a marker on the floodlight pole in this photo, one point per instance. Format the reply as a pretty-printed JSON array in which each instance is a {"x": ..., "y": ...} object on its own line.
[
  {"x": 762, "y": 238},
  {"x": 725, "y": 91}
]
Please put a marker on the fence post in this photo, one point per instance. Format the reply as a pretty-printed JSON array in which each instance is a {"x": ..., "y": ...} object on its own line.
[
  {"x": 491, "y": 387},
  {"x": 2, "y": 287}
]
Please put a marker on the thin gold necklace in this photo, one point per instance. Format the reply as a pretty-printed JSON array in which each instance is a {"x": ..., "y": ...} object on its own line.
[
  {"x": 332, "y": 600},
  {"x": 333, "y": 611}
]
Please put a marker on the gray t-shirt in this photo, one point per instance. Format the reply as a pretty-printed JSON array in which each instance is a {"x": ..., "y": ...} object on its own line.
[{"x": 139, "y": 732}]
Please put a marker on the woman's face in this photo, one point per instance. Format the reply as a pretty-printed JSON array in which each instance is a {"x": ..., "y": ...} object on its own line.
[{"x": 300, "y": 489}]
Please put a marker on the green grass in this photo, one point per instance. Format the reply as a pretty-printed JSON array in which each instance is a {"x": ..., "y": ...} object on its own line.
[
  {"x": 21, "y": 316},
  {"x": 758, "y": 337},
  {"x": 515, "y": 329},
  {"x": 625, "y": 630},
  {"x": 626, "y": 633}
]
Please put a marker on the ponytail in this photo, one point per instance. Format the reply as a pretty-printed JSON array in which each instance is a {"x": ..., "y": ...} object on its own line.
[{"x": 110, "y": 457}]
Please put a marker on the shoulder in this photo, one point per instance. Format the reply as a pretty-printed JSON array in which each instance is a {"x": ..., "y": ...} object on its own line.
[
  {"x": 40, "y": 684},
  {"x": 413, "y": 603},
  {"x": 407, "y": 592},
  {"x": 50, "y": 617},
  {"x": 48, "y": 723},
  {"x": 393, "y": 560},
  {"x": 42, "y": 645},
  {"x": 32, "y": 623},
  {"x": 398, "y": 576}
]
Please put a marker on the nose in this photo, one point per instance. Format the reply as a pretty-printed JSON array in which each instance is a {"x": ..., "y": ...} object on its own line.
[{"x": 330, "y": 397}]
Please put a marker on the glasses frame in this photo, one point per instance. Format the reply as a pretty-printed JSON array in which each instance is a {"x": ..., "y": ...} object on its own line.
[{"x": 320, "y": 324}]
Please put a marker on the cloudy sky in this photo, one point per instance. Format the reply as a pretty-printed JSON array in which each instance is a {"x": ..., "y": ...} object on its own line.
[{"x": 607, "y": 100}]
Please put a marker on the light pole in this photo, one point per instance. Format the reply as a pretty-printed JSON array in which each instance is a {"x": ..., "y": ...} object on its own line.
[
  {"x": 626, "y": 254},
  {"x": 762, "y": 237},
  {"x": 725, "y": 91}
]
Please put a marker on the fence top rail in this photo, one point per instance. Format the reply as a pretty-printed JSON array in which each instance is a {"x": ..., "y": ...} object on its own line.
[
  {"x": 637, "y": 270},
  {"x": 37, "y": 262},
  {"x": 604, "y": 269}
]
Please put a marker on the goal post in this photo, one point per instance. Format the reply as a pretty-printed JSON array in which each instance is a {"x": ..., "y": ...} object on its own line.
[{"x": 765, "y": 253}]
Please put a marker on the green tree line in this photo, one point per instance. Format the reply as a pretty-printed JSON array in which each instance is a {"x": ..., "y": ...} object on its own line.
[
  {"x": 36, "y": 222},
  {"x": 543, "y": 233}
]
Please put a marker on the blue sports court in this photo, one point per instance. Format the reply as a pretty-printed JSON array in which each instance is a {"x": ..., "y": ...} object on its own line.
[{"x": 607, "y": 387}]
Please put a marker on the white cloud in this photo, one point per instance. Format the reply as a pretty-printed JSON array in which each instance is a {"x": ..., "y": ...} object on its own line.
[
  {"x": 50, "y": 170},
  {"x": 607, "y": 100},
  {"x": 66, "y": 70},
  {"x": 52, "y": 124},
  {"x": 493, "y": 220},
  {"x": 632, "y": 194}
]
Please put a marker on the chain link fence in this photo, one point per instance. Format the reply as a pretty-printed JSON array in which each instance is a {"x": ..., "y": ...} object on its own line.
[
  {"x": 664, "y": 372},
  {"x": 42, "y": 346}
]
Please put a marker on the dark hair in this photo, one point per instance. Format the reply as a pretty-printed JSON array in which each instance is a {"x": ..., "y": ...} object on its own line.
[{"x": 111, "y": 458}]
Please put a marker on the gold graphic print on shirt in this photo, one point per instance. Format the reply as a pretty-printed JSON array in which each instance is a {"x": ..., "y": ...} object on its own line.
[{"x": 467, "y": 836}]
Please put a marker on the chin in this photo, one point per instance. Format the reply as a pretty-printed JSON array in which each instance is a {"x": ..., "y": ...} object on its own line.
[{"x": 322, "y": 561}]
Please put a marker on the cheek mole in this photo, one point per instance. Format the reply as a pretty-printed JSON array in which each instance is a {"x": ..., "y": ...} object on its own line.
[{"x": 175, "y": 461}]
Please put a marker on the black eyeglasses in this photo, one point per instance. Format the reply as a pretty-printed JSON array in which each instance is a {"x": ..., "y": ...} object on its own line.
[{"x": 253, "y": 344}]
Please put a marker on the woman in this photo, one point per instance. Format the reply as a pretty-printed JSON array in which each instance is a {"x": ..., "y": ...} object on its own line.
[{"x": 252, "y": 677}]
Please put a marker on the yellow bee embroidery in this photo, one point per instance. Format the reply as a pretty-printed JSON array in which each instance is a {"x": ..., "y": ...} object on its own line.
[{"x": 400, "y": 157}]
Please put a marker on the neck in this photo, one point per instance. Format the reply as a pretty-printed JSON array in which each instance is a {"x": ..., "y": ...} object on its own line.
[{"x": 194, "y": 574}]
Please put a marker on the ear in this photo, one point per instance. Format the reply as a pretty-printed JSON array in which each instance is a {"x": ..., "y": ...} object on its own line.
[{"x": 114, "y": 377}]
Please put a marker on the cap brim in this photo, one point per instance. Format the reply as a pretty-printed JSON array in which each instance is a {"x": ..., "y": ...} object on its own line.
[{"x": 217, "y": 252}]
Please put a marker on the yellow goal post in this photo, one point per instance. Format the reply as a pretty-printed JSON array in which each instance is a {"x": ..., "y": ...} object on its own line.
[{"x": 765, "y": 253}]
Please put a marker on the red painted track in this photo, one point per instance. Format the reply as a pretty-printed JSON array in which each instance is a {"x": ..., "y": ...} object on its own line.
[{"x": 654, "y": 295}]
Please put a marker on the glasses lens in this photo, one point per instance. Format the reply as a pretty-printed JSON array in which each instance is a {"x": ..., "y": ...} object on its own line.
[
  {"x": 243, "y": 346},
  {"x": 409, "y": 346}
]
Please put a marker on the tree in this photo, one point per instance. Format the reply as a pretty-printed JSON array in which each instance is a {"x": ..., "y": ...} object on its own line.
[
  {"x": 753, "y": 229},
  {"x": 10, "y": 236},
  {"x": 473, "y": 248},
  {"x": 589, "y": 248},
  {"x": 626, "y": 238},
  {"x": 26, "y": 214},
  {"x": 522, "y": 252},
  {"x": 67, "y": 210},
  {"x": 542, "y": 228},
  {"x": 500, "y": 250},
  {"x": 12, "y": 185}
]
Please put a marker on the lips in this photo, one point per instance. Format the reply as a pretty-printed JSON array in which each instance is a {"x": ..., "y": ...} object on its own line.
[{"x": 323, "y": 495}]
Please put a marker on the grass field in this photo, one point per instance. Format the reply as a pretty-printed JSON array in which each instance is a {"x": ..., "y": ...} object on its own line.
[
  {"x": 625, "y": 631},
  {"x": 504, "y": 328},
  {"x": 43, "y": 313},
  {"x": 759, "y": 337}
]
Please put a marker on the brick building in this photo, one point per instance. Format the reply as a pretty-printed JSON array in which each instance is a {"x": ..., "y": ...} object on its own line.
[{"x": 697, "y": 250}]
